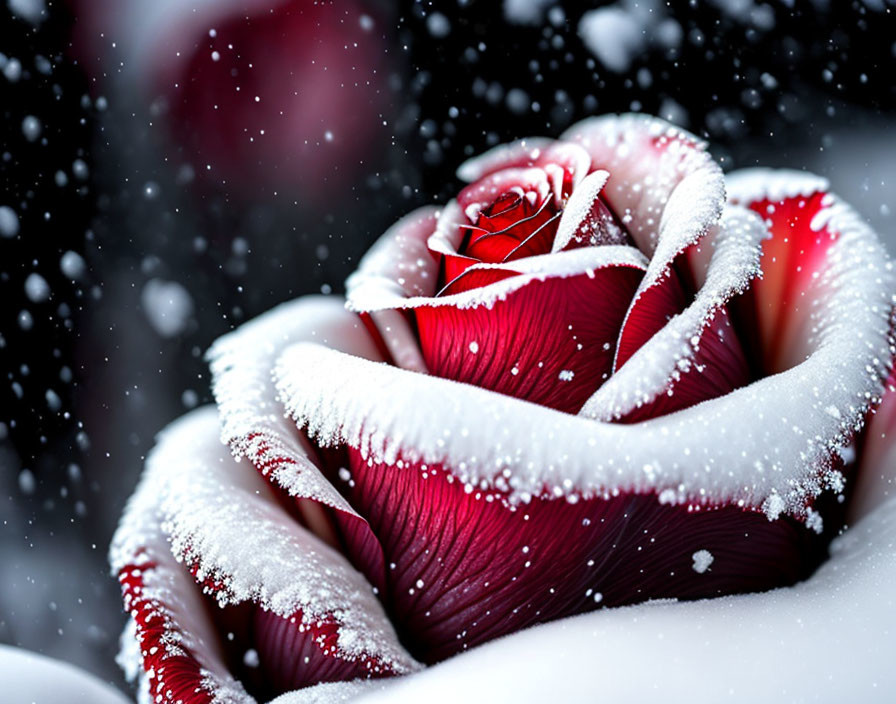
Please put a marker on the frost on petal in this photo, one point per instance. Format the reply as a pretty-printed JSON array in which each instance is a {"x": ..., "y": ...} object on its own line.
[
  {"x": 170, "y": 646},
  {"x": 547, "y": 338},
  {"x": 253, "y": 426},
  {"x": 475, "y": 555},
  {"x": 315, "y": 617},
  {"x": 565, "y": 163},
  {"x": 668, "y": 193},
  {"x": 697, "y": 355},
  {"x": 647, "y": 159}
]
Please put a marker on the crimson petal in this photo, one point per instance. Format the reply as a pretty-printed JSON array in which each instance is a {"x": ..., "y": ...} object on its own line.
[
  {"x": 490, "y": 527},
  {"x": 778, "y": 308},
  {"x": 697, "y": 355},
  {"x": 546, "y": 337}
]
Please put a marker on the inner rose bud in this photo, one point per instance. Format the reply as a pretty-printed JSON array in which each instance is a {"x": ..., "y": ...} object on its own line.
[{"x": 515, "y": 212}]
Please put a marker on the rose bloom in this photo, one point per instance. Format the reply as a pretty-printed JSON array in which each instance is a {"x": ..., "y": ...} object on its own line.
[{"x": 604, "y": 374}]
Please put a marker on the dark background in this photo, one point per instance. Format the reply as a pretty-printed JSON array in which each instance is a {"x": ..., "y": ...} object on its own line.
[{"x": 87, "y": 379}]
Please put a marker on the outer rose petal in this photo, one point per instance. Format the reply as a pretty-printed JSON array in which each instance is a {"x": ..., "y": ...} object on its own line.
[
  {"x": 397, "y": 267},
  {"x": 779, "y": 307},
  {"x": 470, "y": 562},
  {"x": 567, "y": 163},
  {"x": 253, "y": 426},
  {"x": 697, "y": 355},
  {"x": 245, "y": 549},
  {"x": 668, "y": 193}
]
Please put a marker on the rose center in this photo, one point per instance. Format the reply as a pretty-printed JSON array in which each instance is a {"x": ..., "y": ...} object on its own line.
[{"x": 516, "y": 224}]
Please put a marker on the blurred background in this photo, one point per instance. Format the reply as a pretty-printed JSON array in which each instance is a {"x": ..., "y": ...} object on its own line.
[{"x": 172, "y": 168}]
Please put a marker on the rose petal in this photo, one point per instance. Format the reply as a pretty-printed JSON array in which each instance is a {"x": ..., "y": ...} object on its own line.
[
  {"x": 547, "y": 336},
  {"x": 647, "y": 158},
  {"x": 780, "y": 305},
  {"x": 767, "y": 647},
  {"x": 243, "y": 547},
  {"x": 253, "y": 426},
  {"x": 565, "y": 163},
  {"x": 398, "y": 266},
  {"x": 697, "y": 355},
  {"x": 170, "y": 644},
  {"x": 526, "y": 183},
  {"x": 472, "y": 559},
  {"x": 668, "y": 193}
]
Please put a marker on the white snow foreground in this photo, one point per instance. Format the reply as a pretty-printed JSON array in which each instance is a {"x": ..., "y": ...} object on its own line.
[{"x": 29, "y": 678}]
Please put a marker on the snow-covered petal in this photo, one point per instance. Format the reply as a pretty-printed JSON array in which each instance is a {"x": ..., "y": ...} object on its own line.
[
  {"x": 253, "y": 425},
  {"x": 697, "y": 355},
  {"x": 802, "y": 220},
  {"x": 243, "y": 547},
  {"x": 398, "y": 266},
  {"x": 668, "y": 193},
  {"x": 565, "y": 163},
  {"x": 647, "y": 159},
  {"x": 170, "y": 646},
  {"x": 472, "y": 559}
]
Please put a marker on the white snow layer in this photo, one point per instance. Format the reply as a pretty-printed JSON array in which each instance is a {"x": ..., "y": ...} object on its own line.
[
  {"x": 29, "y": 678},
  {"x": 252, "y": 421}
]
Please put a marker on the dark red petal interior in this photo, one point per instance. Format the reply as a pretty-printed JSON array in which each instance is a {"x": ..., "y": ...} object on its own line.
[
  {"x": 718, "y": 367},
  {"x": 292, "y": 656},
  {"x": 465, "y": 569},
  {"x": 549, "y": 342},
  {"x": 649, "y": 313}
]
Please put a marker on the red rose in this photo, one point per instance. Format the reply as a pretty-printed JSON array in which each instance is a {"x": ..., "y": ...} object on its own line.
[{"x": 604, "y": 383}]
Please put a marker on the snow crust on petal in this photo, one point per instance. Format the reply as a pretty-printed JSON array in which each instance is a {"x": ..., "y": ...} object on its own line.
[
  {"x": 538, "y": 268},
  {"x": 226, "y": 525},
  {"x": 647, "y": 158},
  {"x": 169, "y": 646},
  {"x": 565, "y": 163},
  {"x": 578, "y": 208},
  {"x": 251, "y": 420},
  {"x": 398, "y": 266},
  {"x": 659, "y": 365},
  {"x": 767, "y": 647}
]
